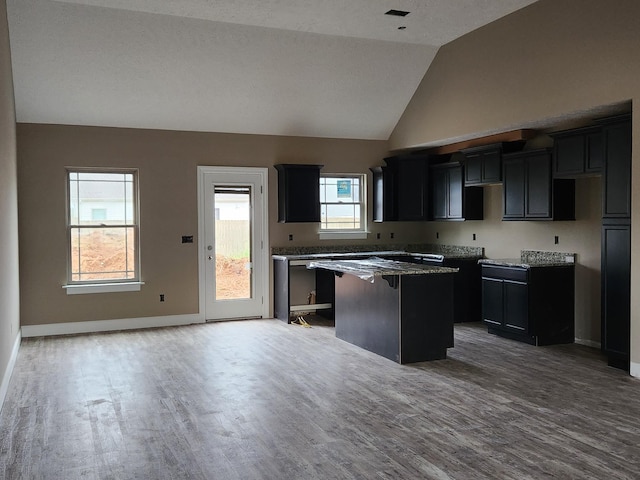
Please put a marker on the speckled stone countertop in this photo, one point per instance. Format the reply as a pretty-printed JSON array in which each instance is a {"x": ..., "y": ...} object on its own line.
[
  {"x": 534, "y": 259},
  {"x": 311, "y": 252},
  {"x": 370, "y": 268}
]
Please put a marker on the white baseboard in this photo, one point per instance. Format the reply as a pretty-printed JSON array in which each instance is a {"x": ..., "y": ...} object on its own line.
[
  {"x": 634, "y": 370},
  {"x": 588, "y": 343},
  {"x": 109, "y": 325},
  {"x": 4, "y": 385}
]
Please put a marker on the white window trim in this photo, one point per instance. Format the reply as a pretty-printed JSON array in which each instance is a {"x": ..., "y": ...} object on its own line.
[
  {"x": 79, "y": 288},
  {"x": 82, "y": 288},
  {"x": 342, "y": 235},
  {"x": 349, "y": 234}
]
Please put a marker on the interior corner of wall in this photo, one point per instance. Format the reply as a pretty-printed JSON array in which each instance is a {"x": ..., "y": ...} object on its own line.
[{"x": 6, "y": 375}]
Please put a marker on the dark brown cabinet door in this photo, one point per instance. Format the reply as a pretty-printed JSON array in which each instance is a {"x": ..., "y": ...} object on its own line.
[
  {"x": 616, "y": 293},
  {"x": 569, "y": 155},
  {"x": 529, "y": 193},
  {"x": 456, "y": 193},
  {"x": 483, "y": 165},
  {"x": 450, "y": 199},
  {"x": 439, "y": 193},
  {"x": 516, "y": 305},
  {"x": 492, "y": 167},
  {"x": 298, "y": 193},
  {"x": 595, "y": 152},
  {"x": 412, "y": 185},
  {"x": 384, "y": 201},
  {"x": 492, "y": 301},
  {"x": 578, "y": 152},
  {"x": 617, "y": 176},
  {"x": 513, "y": 188},
  {"x": 473, "y": 169},
  {"x": 538, "y": 186}
]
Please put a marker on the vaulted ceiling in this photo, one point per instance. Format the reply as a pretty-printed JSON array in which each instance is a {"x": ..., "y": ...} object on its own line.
[{"x": 322, "y": 68}]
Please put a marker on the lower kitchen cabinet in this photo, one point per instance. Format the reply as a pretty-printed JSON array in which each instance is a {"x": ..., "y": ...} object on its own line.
[
  {"x": 466, "y": 289},
  {"x": 467, "y": 305},
  {"x": 533, "y": 305}
]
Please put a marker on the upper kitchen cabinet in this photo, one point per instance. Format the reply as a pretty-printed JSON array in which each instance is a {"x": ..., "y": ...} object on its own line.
[
  {"x": 529, "y": 192},
  {"x": 578, "y": 152},
  {"x": 385, "y": 208},
  {"x": 450, "y": 199},
  {"x": 483, "y": 165},
  {"x": 404, "y": 185},
  {"x": 616, "y": 195},
  {"x": 298, "y": 193}
]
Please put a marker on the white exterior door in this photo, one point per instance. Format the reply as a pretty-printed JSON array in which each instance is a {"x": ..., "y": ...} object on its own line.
[{"x": 233, "y": 241}]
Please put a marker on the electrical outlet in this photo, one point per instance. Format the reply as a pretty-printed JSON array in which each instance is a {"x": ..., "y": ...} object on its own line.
[
  {"x": 162, "y": 297},
  {"x": 290, "y": 237},
  {"x": 474, "y": 236},
  {"x": 556, "y": 240},
  {"x": 391, "y": 235},
  {"x": 437, "y": 234},
  {"x": 378, "y": 236}
]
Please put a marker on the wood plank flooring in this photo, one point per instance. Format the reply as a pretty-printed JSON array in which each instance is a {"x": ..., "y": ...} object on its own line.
[{"x": 264, "y": 400}]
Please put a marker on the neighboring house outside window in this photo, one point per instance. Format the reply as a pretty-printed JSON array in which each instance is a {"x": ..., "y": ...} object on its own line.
[
  {"x": 102, "y": 227},
  {"x": 342, "y": 206}
]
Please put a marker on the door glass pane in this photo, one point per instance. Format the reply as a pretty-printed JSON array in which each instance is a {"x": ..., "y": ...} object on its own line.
[{"x": 232, "y": 207}]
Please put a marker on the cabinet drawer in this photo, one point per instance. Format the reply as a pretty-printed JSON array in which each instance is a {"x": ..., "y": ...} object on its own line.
[{"x": 505, "y": 273}]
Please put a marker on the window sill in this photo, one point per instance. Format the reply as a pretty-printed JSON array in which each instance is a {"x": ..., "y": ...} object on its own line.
[
  {"x": 102, "y": 288},
  {"x": 342, "y": 235}
]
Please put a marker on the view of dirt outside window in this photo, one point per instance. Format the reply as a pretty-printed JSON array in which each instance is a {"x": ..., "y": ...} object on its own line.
[{"x": 102, "y": 225}]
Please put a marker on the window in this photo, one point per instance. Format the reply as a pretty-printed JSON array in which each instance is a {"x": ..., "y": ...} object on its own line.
[
  {"x": 342, "y": 205},
  {"x": 102, "y": 227}
]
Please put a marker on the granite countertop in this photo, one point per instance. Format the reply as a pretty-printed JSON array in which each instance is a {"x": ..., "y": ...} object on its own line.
[
  {"x": 337, "y": 255},
  {"x": 344, "y": 251},
  {"x": 534, "y": 259},
  {"x": 370, "y": 268}
]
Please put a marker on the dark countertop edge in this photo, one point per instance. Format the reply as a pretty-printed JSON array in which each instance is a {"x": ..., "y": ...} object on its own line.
[{"x": 516, "y": 262}]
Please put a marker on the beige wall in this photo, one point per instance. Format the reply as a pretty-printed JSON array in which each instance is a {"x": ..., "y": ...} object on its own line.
[
  {"x": 9, "y": 293},
  {"x": 535, "y": 67},
  {"x": 168, "y": 202}
]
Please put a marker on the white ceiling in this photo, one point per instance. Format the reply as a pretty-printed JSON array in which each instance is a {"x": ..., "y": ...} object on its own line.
[{"x": 323, "y": 68}]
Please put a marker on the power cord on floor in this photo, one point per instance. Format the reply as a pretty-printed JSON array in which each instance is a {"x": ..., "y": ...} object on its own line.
[{"x": 299, "y": 320}]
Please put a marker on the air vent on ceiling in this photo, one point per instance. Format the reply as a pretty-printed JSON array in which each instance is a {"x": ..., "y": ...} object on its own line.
[{"x": 397, "y": 13}]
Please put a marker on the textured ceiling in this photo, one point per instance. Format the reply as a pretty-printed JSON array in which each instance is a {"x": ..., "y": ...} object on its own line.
[{"x": 323, "y": 68}]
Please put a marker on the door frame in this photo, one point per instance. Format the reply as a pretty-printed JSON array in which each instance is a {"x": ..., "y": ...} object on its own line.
[{"x": 263, "y": 173}]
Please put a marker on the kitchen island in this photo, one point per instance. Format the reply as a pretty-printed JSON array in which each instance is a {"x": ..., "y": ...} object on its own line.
[{"x": 402, "y": 311}]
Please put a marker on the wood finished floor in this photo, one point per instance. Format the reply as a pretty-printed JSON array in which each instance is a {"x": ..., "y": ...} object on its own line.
[{"x": 263, "y": 400}]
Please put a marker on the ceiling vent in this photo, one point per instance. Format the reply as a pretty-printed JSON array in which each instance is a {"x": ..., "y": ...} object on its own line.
[{"x": 397, "y": 13}]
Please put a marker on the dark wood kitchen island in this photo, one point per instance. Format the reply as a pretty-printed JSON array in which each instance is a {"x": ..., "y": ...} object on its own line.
[{"x": 402, "y": 311}]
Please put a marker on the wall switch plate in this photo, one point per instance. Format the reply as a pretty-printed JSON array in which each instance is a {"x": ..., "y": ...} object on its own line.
[{"x": 187, "y": 239}]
